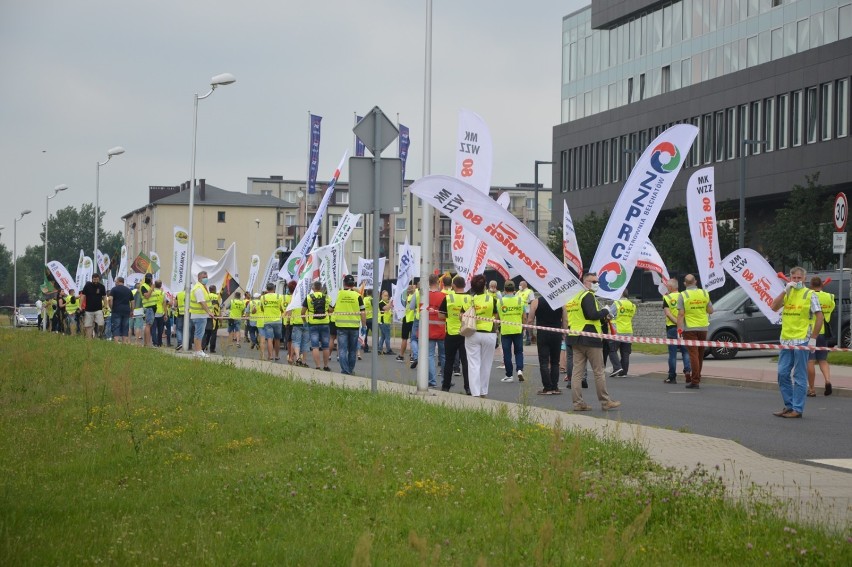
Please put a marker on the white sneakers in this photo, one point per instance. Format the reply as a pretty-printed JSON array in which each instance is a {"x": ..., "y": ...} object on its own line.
[
  {"x": 201, "y": 354},
  {"x": 520, "y": 375},
  {"x": 507, "y": 379}
]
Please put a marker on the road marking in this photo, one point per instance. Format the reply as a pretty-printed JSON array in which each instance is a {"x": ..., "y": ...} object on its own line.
[{"x": 840, "y": 463}]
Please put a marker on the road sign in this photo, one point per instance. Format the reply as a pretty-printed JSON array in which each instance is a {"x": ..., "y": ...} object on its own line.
[
  {"x": 362, "y": 185},
  {"x": 839, "y": 242},
  {"x": 841, "y": 212},
  {"x": 366, "y": 131}
]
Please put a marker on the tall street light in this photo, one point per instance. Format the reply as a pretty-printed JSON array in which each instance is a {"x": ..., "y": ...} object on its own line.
[
  {"x": 217, "y": 81},
  {"x": 116, "y": 151},
  {"x": 535, "y": 195},
  {"x": 15, "y": 261},
  {"x": 56, "y": 191},
  {"x": 746, "y": 144}
]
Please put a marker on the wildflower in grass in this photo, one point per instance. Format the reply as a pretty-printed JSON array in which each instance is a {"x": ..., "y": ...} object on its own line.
[
  {"x": 749, "y": 545},
  {"x": 242, "y": 443},
  {"x": 427, "y": 487},
  {"x": 58, "y": 400}
]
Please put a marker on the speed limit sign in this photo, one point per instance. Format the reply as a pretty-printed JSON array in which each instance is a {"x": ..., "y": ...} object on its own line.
[{"x": 841, "y": 212}]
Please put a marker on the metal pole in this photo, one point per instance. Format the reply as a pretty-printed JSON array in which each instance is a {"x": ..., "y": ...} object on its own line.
[
  {"x": 46, "y": 222},
  {"x": 741, "y": 234},
  {"x": 426, "y": 245},
  {"x": 15, "y": 277},
  {"x": 187, "y": 271},
  {"x": 840, "y": 303},
  {"x": 377, "y": 179},
  {"x": 97, "y": 208}
]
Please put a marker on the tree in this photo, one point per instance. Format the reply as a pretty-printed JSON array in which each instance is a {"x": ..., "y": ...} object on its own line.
[
  {"x": 798, "y": 235},
  {"x": 588, "y": 230},
  {"x": 6, "y": 272},
  {"x": 672, "y": 239}
]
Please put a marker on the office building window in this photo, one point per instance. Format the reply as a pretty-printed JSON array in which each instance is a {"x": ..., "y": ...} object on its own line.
[
  {"x": 742, "y": 126},
  {"x": 341, "y": 198},
  {"x": 605, "y": 161},
  {"x": 401, "y": 224},
  {"x": 826, "y": 111},
  {"x": 769, "y": 124},
  {"x": 811, "y": 115},
  {"x": 842, "y": 113},
  {"x": 220, "y": 216},
  {"x": 817, "y": 34},
  {"x": 845, "y": 17},
  {"x": 695, "y": 151},
  {"x": 707, "y": 135},
  {"x": 220, "y": 244},
  {"x": 642, "y": 86},
  {"x": 360, "y": 223},
  {"x": 357, "y": 245},
  {"x": 751, "y": 46},
  {"x": 614, "y": 159},
  {"x": 830, "y": 25},
  {"x": 796, "y": 115},
  {"x": 719, "y": 124},
  {"x": 783, "y": 121},
  {"x": 334, "y": 220},
  {"x": 777, "y": 43},
  {"x": 731, "y": 129},
  {"x": 755, "y": 129},
  {"x": 666, "y": 79},
  {"x": 802, "y": 35}
]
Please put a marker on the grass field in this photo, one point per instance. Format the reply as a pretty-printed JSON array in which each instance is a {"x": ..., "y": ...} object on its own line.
[{"x": 117, "y": 455}]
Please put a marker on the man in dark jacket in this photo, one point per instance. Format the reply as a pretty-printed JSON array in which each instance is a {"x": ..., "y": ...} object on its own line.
[{"x": 584, "y": 314}]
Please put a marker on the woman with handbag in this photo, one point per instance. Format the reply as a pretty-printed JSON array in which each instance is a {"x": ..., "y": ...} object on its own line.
[{"x": 480, "y": 345}]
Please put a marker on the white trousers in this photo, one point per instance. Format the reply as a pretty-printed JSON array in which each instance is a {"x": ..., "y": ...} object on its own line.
[{"x": 480, "y": 356}]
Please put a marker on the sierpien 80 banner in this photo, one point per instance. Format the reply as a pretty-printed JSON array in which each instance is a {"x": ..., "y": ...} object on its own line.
[{"x": 504, "y": 234}]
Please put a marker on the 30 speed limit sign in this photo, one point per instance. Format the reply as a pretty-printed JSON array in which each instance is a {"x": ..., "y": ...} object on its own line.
[{"x": 841, "y": 212}]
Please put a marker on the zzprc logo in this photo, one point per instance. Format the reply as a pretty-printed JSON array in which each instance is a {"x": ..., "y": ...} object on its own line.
[
  {"x": 612, "y": 276},
  {"x": 665, "y": 158}
]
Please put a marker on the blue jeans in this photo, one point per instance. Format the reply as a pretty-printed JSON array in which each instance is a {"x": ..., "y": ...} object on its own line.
[
  {"x": 415, "y": 341},
  {"x": 384, "y": 337},
  {"x": 671, "y": 333},
  {"x": 793, "y": 389},
  {"x": 347, "y": 348},
  {"x": 320, "y": 336},
  {"x": 300, "y": 337},
  {"x": 198, "y": 326},
  {"x": 179, "y": 330},
  {"x": 509, "y": 342},
  {"x": 436, "y": 345}
]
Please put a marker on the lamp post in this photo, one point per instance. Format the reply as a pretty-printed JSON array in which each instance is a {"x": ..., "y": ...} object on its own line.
[
  {"x": 535, "y": 195},
  {"x": 116, "y": 151},
  {"x": 217, "y": 81},
  {"x": 746, "y": 143},
  {"x": 15, "y": 262},
  {"x": 56, "y": 191}
]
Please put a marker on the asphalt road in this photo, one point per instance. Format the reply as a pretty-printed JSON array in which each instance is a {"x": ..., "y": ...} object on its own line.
[{"x": 739, "y": 413}]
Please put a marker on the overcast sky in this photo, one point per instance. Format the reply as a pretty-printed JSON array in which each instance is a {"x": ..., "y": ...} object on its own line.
[{"x": 81, "y": 77}]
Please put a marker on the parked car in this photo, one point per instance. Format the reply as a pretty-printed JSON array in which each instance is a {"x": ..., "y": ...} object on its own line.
[
  {"x": 27, "y": 316},
  {"x": 737, "y": 319}
]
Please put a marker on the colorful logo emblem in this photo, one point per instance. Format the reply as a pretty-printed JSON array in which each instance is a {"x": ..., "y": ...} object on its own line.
[
  {"x": 612, "y": 276},
  {"x": 181, "y": 237},
  {"x": 665, "y": 158}
]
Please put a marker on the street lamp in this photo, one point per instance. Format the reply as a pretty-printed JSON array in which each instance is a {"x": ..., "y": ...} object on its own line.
[
  {"x": 116, "y": 151},
  {"x": 535, "y": 196},
  {"x": 56, "y": 191},
  {"x": 15, "y": 262},
  {"x": 217, "y": 81},
  {"x": 746, "y": 143}
]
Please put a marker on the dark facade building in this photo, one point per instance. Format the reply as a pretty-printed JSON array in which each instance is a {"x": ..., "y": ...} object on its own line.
[{"x": 766, "y": 81}]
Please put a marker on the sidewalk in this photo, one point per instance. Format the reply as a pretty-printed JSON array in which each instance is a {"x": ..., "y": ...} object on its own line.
[{"x": 806, "y": 493}]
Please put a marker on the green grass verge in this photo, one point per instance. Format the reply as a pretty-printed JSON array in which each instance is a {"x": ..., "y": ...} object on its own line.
[
  {"x": 647, "y": 348},
  {"x": 118, "y": 455}
]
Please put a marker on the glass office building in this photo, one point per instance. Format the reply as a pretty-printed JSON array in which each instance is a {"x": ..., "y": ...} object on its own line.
[{"x": 772, "y": 71}]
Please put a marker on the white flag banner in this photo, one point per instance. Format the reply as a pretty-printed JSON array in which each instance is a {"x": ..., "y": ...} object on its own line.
[
  {"x": 155, "y": 259},
  {"x": 406, "y": 275},
  {"x": 701, "y": 211},
  {"x": 254, "y": 269},
  {"x": 79, "y": 276},
  {"x": 270, "y": 275},
  {"x": 650, "y": 259},
  {"x": 216, "y": 270},
  {"x": 365, "y": 271},
  {"x": 300, "y": 253},
  {"x": 330, "y": 260},
  {"x": 392, "y": 295},
  {"x": 570, "y": 246},
  {"x": 110, "y": 283},
  {"x": 754, "y": 274},
  {"x": 133, "y": 278},
  {"x": 474, "y": 162},
  {"x": 88, "y": 270},
  {"x": 637, "y": 208},
  {"x": 61, "y": 275},
  {"x": 415, "y": 253},
  {"x": 122, "y": 267},
  {"x": 345, "y": 228},
  {"x": 102, "y": 261},
  {"x": 503, "y": 232},
  {"x": 180, "y": 245},
  {"x": 484, "y": 257}
]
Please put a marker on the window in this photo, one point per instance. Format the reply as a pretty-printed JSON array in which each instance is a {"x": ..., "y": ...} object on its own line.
[
  {"x": 826, "y": 111},
  {"x": 604, "y": 158},
  {"x": 642, "y": 86},
  {"x": 742, "y": 126},
  {"x": 220, "y": 216},
  {"x": 720, "y": 135},
  {"x": 777, "y": 43},
  {"x": 401, "y": 224},
  {"x": 289, "y": 220},
  {"x": 266, "y": 192},
  {"x": 419, "y": 225},
  {"x": 334, "y": 220},
  {"x": 629, "y": 90},
  {"x": 754, "y": 129},
  {"x": 830, "y": 25},
  {"x": 842, "y": 113},
  {"x": 342, "y": 198},
  {"x": 796, "y": 103},
  {"x": 550, "y": 204},
  {"x": 802, "y": 35},
  {"x": 666, "y": 79},
  {"x": 811, "y": 115},
  {"x": 845, "y": 17},
  {"x": 707, "y": 135},
  {"x": 220, "y": 244},
  {"x": 768, "y": 134},
  {"x": 357, "y": 246},
  {"x": 731, "y": 129},
  {"x": 290, "y": 196},
  {"x": 783, "y": 121},
  {"x": 360, "y": 223}
]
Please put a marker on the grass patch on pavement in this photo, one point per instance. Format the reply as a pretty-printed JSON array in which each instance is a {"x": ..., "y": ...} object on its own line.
[
  {"x": 120, "y": 455},
  {"x": 648, "y": 348}
]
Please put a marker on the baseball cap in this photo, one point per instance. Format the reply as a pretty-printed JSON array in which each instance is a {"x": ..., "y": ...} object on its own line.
[
  {"x": 257, "y": 296},
  {"x": 349, "y": 279}
]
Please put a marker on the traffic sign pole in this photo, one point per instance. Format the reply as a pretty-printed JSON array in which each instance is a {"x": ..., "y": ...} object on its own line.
[{"x": 841, "y": 214}]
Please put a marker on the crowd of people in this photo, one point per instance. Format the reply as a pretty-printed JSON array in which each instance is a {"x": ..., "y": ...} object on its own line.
[{"x": 568, "y": 339}]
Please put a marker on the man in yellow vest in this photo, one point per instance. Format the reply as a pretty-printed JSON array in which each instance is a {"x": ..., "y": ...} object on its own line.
[
  {"x": 512, "y": 310},
  {"x": 412, "y": 314},
  {"x": 801, "y": 321},
  {"x": 694, "y": 307},
  {"x": 454, "y": 305},
  {"x": 827, "y": 303},
  {"x": 315, "y": 310},
  {"x": 622, "y": 311},
  {"x": 236, "y": 308},
  {"x": 350, "y": 316},
  {"x": 180, "y": 298},
  {"x": 527, "y": 296},
  {"x": 149, "y": 306},
  {"x": 670, "y": 301},
  {"x": 199, "y": 312},
  {"x": 72, "y": 308},
  {"x": 211, "y": 328},
  {"x": 159, "y": 314},
  {"x": 587, "y": 316},
  {"x": 273, "y": 328}
]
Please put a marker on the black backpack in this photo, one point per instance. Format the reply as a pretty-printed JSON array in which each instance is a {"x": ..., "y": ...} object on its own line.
[{"x": 318, "y": 304}]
